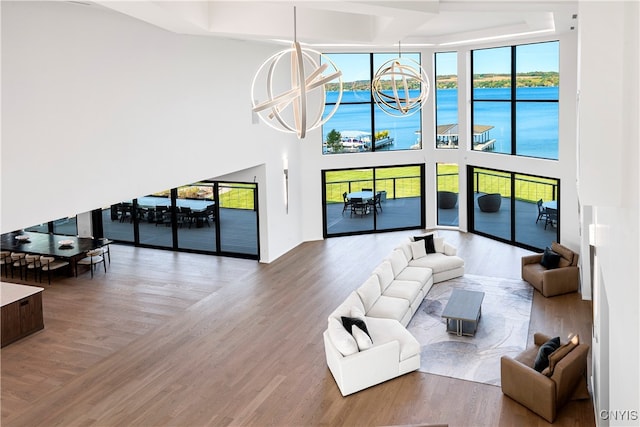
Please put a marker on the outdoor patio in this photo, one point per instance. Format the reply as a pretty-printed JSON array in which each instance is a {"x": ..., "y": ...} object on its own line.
[{"x": 405, "y": 212}]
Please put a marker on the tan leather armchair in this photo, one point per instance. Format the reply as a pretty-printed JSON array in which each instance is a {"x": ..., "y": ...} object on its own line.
[
  {"x": 542, "y": 394},
  {"x": 550, "y": 282}
]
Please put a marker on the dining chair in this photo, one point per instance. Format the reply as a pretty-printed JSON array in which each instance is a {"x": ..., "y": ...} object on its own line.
[
  {"x": 32, "y": 263},
  {"x": 92, "y": 259},
  {"x": 49, "y": 264},
  {"x": 5, "y": 262},
  {"x": 18, "y": 261}
]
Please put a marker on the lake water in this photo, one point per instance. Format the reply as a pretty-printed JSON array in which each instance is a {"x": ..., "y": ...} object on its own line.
[{"x": 536, "y": 132}]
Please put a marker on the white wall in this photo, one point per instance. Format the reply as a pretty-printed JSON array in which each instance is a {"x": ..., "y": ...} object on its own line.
[
  {"x": 609, "y": 183},
  {"x": 98, "y": 107}
]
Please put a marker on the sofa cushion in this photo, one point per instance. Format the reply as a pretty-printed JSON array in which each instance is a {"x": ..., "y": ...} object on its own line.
[
  {"x": 385, "y": 274},
  {"x": 345, "y": 309},
  {"x": 389, "y": 308},
  {"x": 418, "y": 250},
  {"x": 415, "y": 274},
  {"x": 550, "y": 259},
  {"x": 341, "y": 339},
  {"x": 369, "y": 292},
  {"x": 398, "y": 261},
  {"x": 387, "y": 330},
  {"x": 542, "y": 359},
  {"x": 405, "y": 247},
  {"x": 438, "y": 262},
  {"x": 406, "y": 289},
  {"x": 438, "y": 244}
]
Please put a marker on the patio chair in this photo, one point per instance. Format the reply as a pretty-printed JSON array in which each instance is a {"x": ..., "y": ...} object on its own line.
[
  {"x": 347, "y": 202},
  {"x": 542, "y": 212},
  {"x": 367, "y": 189},
  {"x": 552, "y": 217},
  {"x": 359, "y": 207}
]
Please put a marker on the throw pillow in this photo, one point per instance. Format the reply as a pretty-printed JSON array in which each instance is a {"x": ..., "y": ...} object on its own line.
[
  {"x": 418, "y": 250},
  {"x": 422, "y": 236},
  {"x": 542, "y": 358},
  {"x": 362, "y": 338},
  {"x": 561, "y": 352},
  {"x": 550, "y": 259},
  {"x": 341, "y": 339},
  {"x": 438, "y": 243},
  {"x": 349, "y": 322},
  {"x": 428, "y": 243}
]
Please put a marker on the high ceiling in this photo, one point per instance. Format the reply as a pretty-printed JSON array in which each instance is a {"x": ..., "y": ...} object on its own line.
[{"x": 374, "y": 24}]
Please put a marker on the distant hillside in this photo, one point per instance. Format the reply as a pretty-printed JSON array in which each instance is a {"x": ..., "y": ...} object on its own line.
[{"x": 530, "y": 79}]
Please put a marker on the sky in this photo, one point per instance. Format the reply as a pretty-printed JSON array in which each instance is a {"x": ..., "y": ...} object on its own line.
[{"x": 530, "y": 57}]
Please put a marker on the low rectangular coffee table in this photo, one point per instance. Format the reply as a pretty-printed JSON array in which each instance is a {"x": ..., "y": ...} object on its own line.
[{"x": 463, "y": 312}]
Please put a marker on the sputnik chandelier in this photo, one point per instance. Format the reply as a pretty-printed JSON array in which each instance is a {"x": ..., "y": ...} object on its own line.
[
  {"x": 295, "y": 95},
  {"x": 403, "y": 74}
]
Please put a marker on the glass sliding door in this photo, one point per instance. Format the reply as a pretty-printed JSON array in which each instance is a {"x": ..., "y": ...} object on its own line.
[
  {"x": 195, "y": 217},
  {"x": 447, "y": 195},
  {"x": 117, "y": 222},
  {"x": 516, "y": 208},
  {"x": 373, "y": 199},
  {"x": 237, "y": 213},
  {"x": 536, "y": 210},
  {"x": 153, "y": 216},
  {"x": 491, "y": 202}
]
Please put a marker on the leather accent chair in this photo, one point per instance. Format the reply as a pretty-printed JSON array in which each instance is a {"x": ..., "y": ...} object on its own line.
[
  {"x": 546, "y": 392},
  {"x": 557, "y": 281}
]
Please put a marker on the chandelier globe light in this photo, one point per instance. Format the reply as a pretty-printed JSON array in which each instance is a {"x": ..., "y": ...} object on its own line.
[
  {"x": 291, "y": 95},
  {"x": 402, "y": 75}
]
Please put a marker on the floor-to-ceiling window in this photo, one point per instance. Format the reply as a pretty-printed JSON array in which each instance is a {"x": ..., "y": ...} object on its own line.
[
  {"x": 376, "y": 199},
  {"x": 361, "y": 125},
  {"x": 515, "y": 208}
]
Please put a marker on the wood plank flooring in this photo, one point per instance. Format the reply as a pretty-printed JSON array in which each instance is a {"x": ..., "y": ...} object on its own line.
[{"x": 178, "y": 339}]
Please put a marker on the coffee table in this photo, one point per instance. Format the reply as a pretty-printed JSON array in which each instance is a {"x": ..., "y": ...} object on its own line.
[{"x": 463, "y": 312}]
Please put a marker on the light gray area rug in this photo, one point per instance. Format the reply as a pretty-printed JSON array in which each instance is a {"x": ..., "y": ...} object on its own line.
[{"x": 503, "y": 329}]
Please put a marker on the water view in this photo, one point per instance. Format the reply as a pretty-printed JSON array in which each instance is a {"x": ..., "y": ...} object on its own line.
[{"x": 537, "y": 122}]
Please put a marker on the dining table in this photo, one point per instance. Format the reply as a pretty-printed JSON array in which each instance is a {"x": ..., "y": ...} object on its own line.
[
  {"x": 364, "y": 195},
  {"x": 552, "y": 204},
  {"x": 70, "y": 248}
]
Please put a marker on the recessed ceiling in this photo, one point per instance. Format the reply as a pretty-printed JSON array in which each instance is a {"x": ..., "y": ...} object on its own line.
[{"x": 376, "y": 24}]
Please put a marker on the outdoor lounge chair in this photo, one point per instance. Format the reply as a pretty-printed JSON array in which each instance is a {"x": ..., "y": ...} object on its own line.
[{"x": 490, "y": 202}]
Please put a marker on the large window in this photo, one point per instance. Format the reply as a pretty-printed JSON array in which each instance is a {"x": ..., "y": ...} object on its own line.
[
  {"x": 373, "y": 199},
  {"x": 515, "y": 100},
  {"x": 512, "y": 207},
  {"x": 446, "y": 99},
  {"x": 359, "y": 125}
]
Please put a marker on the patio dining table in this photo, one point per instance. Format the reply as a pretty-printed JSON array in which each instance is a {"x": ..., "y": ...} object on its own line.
[{"x": 364, "y": 195}]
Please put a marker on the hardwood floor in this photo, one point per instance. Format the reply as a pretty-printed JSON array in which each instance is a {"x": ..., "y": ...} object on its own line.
[{"x": 167, "y": 338}]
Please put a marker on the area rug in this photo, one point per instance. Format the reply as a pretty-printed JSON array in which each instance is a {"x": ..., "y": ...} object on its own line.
[{"x": 502, "y": 330}]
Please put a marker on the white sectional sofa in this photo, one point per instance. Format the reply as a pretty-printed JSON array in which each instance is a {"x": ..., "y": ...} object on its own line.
[{"x": 379, "y": 347}]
